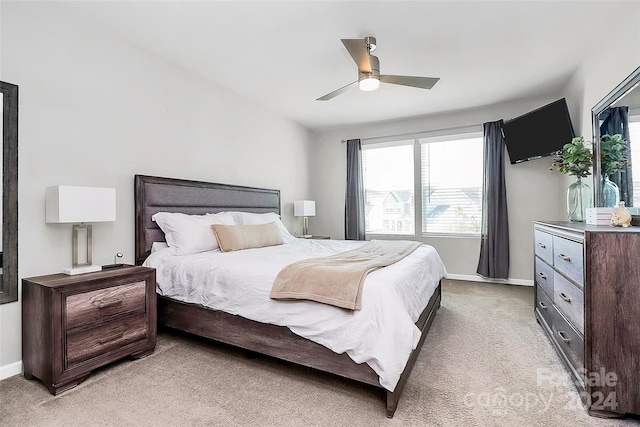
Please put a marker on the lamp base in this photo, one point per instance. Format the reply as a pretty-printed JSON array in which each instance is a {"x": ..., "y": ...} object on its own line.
[{"x": 81, "y": 270}]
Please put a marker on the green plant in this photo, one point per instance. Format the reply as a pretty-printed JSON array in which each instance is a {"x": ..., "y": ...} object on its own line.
[
  {"x": 573, "y": 159},
  {"x": 612, "y": 154}
]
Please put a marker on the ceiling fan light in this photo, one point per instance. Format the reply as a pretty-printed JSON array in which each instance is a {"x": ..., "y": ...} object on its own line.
[{"x": 368, "y": 84}]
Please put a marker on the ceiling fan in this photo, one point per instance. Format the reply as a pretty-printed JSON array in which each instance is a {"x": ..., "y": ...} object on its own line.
[{"x": 369, "y": 76}]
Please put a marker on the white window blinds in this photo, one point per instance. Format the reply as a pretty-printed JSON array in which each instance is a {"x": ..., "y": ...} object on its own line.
[{"x": 451, "y": 185}]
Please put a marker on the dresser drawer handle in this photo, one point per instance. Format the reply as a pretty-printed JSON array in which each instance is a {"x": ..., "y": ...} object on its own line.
[
  {"x": 542, "y": 245},
  {"x": 564, "y": 257},
  {"x": 542, "y": 276},
  {"x": 104, "y": 303},
  {"x": 542, "y": 305},
  {"x": 110, "y": 338},
  {"x": 563, "y": 337},
  {"x": 565, "y": 298}
]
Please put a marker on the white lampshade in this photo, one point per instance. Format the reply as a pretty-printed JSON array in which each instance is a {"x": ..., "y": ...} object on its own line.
[
  {"x": 304, "y": 208},
  {"x": 69, "y": 204}
]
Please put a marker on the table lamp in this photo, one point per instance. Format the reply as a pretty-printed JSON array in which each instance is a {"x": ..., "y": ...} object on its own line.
[
  {"x": 80, "y": 205},
  {"x": 305, "y": 209}
]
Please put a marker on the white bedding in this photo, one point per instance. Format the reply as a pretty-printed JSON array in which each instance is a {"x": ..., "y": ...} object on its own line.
[{"x": 382, "y": 334}]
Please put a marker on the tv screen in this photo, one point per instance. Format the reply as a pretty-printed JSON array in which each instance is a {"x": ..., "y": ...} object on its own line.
[{"x": 538, "y": 133}]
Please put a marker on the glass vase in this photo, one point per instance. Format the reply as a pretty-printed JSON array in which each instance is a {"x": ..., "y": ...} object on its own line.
[
  {"x": 610, "y": 193},
  {"x": 578, "y": 200}
]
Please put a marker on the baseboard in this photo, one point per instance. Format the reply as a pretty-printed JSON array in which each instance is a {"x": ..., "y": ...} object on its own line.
[
  {"x": 10, "y": 370},
  {"x": 518, "y": 282}
]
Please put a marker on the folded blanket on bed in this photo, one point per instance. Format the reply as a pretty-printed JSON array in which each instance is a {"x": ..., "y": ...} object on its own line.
[{"x": 338, "y": 279}]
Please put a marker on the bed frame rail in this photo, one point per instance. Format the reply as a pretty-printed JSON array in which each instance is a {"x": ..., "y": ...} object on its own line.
[{"x": 281, "y": 343}]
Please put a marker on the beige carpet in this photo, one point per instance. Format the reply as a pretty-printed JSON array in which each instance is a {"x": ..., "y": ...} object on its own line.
[{"x": 485, "y": 362}]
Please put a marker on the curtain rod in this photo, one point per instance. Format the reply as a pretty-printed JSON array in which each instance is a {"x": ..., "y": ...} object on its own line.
[{"x": 423, "y": 134}]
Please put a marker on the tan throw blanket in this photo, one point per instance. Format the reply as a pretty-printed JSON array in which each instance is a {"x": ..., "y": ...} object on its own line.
[{"x": 338, "y": 279}]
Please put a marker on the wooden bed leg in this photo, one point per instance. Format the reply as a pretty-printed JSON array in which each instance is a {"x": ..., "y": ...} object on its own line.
[{"x": 392, "y": 403}]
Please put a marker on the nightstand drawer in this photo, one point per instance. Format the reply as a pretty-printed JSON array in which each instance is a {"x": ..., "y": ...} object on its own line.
[
  {"x": 104, "y": 338},
  {"x": 103, "y": 304}
]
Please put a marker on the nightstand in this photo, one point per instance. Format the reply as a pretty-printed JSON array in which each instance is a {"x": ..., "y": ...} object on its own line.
[
  {"x": 315, "y": 237},
  {"x": 72, "y": 325}
]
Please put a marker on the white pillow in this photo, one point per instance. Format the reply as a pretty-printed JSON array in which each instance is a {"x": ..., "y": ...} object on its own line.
[
  {"x": 250, "y": 218},
  {"x": 190, "y": 234},
  {"x": 158, "y": 246}
]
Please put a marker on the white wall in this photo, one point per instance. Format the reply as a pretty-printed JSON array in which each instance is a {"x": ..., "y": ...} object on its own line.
[
  {"x": 533, "y": 193},
  {"x": 95, "y": 110}
]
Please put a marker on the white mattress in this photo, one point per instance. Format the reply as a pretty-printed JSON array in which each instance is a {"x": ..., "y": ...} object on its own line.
[{"x": 382, "y": 334}]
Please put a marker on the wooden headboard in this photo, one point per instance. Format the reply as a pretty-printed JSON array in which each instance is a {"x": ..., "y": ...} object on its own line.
[{"x": 155, "y": 194}]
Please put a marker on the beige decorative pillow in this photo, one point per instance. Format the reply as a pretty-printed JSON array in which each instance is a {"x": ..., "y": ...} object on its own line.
[{"x": 237, "y": 237}]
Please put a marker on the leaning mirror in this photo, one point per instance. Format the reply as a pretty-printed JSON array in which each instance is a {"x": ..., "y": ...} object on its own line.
[
  {"x": 616, "y": 136},
  {"x": 9, "y": 231}
]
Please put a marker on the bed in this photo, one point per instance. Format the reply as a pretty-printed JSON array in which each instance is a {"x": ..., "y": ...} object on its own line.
[{"x": 191, "y": 315}]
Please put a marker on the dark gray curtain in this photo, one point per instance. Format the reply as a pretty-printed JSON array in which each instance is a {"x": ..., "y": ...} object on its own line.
[
  {"x": 354, "y": 200},
  {"x": 494, "y": 246},
  {"x": 616, "y": 120}
]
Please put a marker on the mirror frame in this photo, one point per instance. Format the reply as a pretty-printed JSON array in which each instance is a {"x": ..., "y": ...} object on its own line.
[
  {"x": 613, "y": 96},
  {"x": 9, "y": 277}
]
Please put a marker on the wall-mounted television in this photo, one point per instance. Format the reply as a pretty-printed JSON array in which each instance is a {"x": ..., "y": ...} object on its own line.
[{"x": 538, "y": 133}]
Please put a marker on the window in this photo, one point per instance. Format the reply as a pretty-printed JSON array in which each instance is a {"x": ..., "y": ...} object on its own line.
[
  {"x": 387, "y": 170},
  {"x": 452, "y": 186},
  {"x": 436, "y": 179}
]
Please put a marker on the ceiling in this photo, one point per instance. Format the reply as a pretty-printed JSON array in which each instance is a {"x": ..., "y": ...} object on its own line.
[{"x": 285, "y": 54}]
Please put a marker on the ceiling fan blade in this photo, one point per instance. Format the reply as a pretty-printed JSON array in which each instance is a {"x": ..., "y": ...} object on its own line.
[
  {"x": 358, "y": 50},
  {"x": 336, "y": 92},
  {"x": 421, "y": 82}
]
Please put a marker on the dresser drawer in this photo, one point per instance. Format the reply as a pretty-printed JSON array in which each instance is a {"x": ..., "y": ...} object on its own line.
[
  {"x": 545, "y": 306},
  {"x": 571, "y": 343},
  {"x": 543, "y": 245},
  {"x": 102, "y": 304},
  {"x": 569, "y": 259},
  {"x": 570, "y": 300},
  {"x": 544, "y": 276},
  {"x": 106, "y": 337}
]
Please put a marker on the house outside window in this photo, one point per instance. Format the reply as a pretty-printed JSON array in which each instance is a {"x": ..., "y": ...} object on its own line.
[{"x": 429, "y": 183}]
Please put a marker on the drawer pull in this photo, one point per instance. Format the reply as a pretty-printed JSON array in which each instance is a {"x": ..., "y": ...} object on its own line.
[
  {"x": 542, "y": 276},
  {"x": 563, "y": 337},
  {"x": 104, "y": 303},
  {"x": 564, "y": 257},
  {"x": 542, "y": 245},
  {"x": 565, "y": 298},
  {"x": 110, "y": 338},
  {"x": 542, "y": 305}
]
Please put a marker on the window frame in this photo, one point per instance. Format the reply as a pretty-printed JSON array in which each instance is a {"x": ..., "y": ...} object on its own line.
[{"x": 442, "y": 135}]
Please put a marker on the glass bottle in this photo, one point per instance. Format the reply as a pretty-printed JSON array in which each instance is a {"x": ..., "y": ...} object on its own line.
[
  {"x": 610, "y": 193},
  {"x": 578, "y": 200}
]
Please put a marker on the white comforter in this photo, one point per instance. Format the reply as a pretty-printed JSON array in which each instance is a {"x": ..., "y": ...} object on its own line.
[{"x": 382, "y": 334}]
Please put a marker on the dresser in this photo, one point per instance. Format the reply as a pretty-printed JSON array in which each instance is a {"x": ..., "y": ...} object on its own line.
[
  {"x": 587, "y": 300},
  {"x": 72, "y": 325}
]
